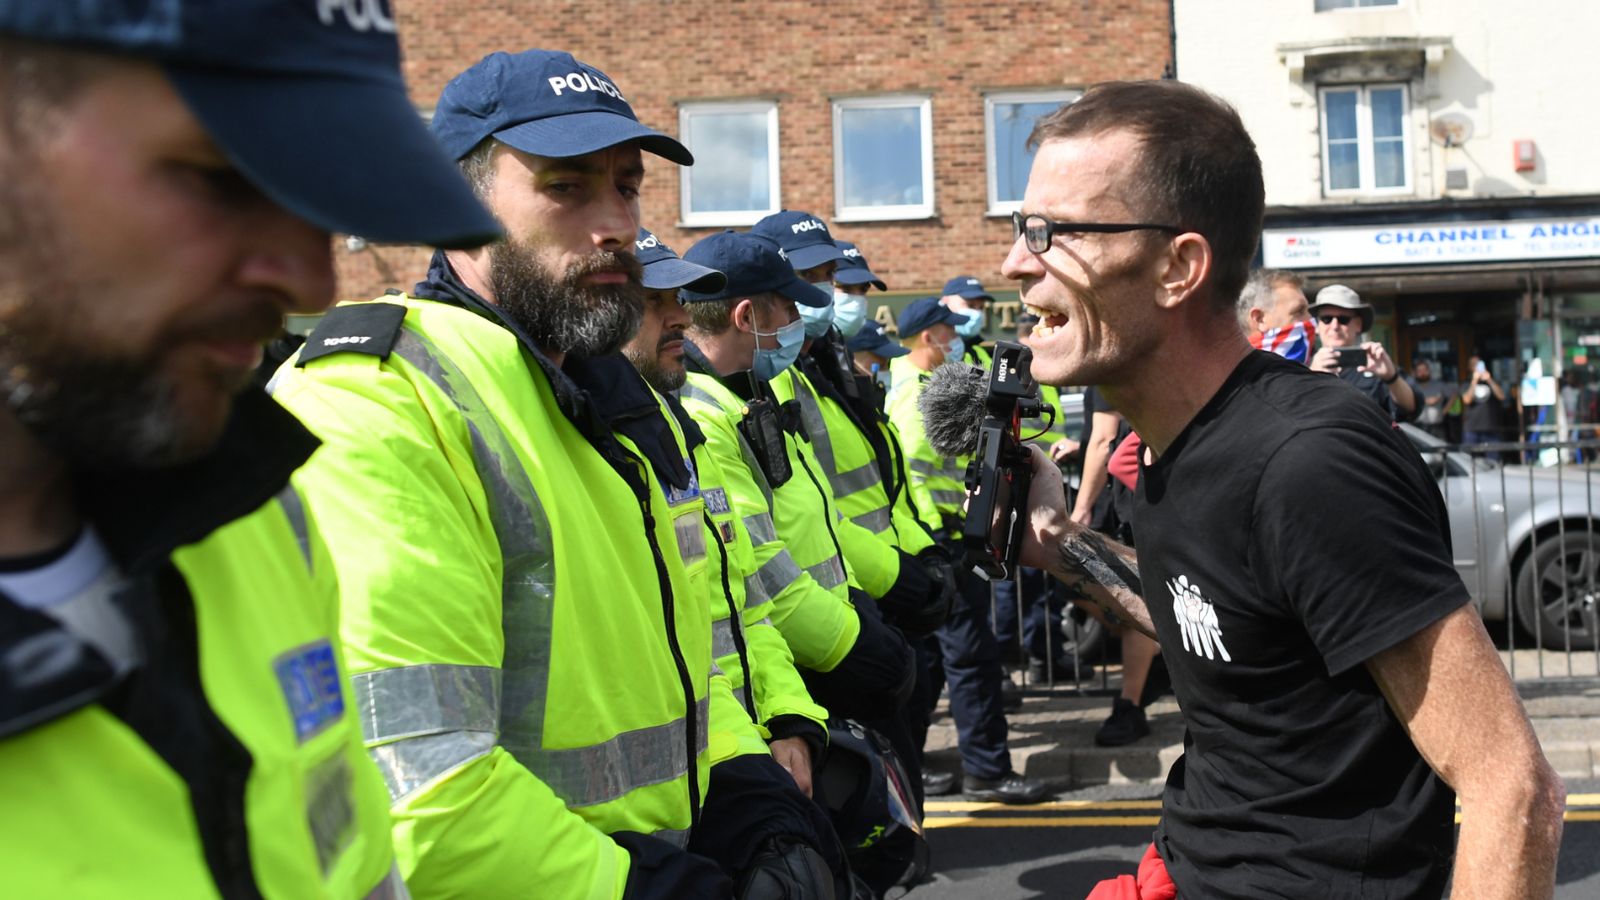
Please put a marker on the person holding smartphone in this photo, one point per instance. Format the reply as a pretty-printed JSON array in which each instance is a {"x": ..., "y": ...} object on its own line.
[{"x": 1342, "y": 321}]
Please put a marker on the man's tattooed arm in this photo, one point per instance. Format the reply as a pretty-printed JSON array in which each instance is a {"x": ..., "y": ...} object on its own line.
[{"x": 1107, "y": 575}]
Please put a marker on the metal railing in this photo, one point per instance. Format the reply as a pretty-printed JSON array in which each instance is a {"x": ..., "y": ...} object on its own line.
[{"x": 1525, "y": 534}]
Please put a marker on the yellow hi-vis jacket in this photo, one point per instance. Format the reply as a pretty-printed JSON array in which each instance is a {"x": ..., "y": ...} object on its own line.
[
  {"x": 747, "y": 646},
  {"x": 109, "y": 798},
  {"x": 798, "y": 567},
  {"x": 531, "y": 660},
  {"x": 943, "y": 477}
]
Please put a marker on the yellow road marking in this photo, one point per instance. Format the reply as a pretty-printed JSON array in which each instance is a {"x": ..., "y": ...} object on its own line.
[{"x": 973, "y": 806}]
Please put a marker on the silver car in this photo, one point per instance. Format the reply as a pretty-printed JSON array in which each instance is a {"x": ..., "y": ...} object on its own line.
[{"x": 1528, "y": 533}]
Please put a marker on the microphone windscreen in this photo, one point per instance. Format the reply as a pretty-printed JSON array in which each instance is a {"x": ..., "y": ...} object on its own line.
[{"x": 952, "y": 407}]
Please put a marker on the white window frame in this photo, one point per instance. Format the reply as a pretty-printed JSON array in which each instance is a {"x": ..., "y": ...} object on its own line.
[
  {"x": 731, "y": 217},
  {"x": 1367, "y": 175},
  {"x": 999, "y": 207},
  {"x": 923, "y": 210}
]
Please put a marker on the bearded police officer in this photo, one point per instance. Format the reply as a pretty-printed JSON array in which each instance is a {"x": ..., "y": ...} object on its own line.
[
  {"x": 519, "y": 531},
  {"x": 174, "y": 719}
]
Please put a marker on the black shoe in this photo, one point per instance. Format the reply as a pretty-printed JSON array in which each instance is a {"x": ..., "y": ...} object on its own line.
[
  {"x": 1010, "y": 694},
  {"x": 1125, "y": 725},
  {"x": 1008, "y": 788},
  {"x": 937, "y": 784}
]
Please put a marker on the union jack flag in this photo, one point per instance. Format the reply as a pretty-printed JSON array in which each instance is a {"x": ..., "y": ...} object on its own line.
[{"x": 1291, "y": 342}]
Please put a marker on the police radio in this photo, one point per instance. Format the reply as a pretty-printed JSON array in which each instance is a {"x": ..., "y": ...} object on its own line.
[
  {"x": 1002, "y": 467},
  {"x": 763, "y": 431}
]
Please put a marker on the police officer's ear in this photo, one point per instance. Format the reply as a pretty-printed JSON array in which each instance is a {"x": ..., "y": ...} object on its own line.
[{"x": 743, "y": 315}]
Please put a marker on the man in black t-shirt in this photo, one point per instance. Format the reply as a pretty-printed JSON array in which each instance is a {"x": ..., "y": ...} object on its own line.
[
  {"x": 1342, "y": 321},
  {"x": 1333, "y": 674}
]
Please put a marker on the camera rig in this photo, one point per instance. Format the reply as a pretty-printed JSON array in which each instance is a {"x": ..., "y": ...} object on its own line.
[{"x": 1002, "y": 468}]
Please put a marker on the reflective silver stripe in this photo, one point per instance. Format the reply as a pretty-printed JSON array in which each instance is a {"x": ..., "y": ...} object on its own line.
[
  {"x": 690, "y": 391},
  {"x": 755, "y": 593},
  {"x": 816, "y": 427},
  {"x": 923, "y": 467},
  {"x": 829, "y": 573},
  {"x": 761, "y": 529},
  {"x": 392, "y": 887},
  {"x": 858, "y": 479},
  {"x": 527, "y": 602},
  {"x": 878, "y": 521},
  {"x": 778, "y": 573},
  {"x": 949, "y": 498},
  {"x": 609, "y": 770},
  {"x": 295, "y": 509},
  {"x": 722, "y": 643},
  {"x": 412, "y": 701},
  {"x": 678, "y": 837},
  {"x": 409, "y": 764}
]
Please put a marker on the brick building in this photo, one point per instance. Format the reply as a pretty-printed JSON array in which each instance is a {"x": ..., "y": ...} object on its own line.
[{"x": 886, "y": 87}]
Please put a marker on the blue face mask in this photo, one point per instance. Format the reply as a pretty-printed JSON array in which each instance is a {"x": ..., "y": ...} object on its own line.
[
  {"x": 818, "y": 318},
  {"x": 954, "y": 349},
  {"x": 973, "y": 326},
  {"x": 849, "y": 312},
  {"x": 769, "y": 363},
  {"x": 881, "y": 376}
]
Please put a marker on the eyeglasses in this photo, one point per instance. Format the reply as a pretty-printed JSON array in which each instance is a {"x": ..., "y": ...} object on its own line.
[
  {"x": 1038, "y": 230},
  {"x": 1329, "y": 318}
]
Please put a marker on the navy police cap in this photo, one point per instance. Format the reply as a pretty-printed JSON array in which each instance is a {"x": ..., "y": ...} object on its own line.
[
  {"x": 754, "y": 265},
  {"x": 803, "y": 237},
  {"x": 303, "y": 96},
  {"x": 923, "y": 313},
  {"x": 872, "y": 339},
  {"x": 543, "y": 102},
  {"x": 967, "y": 287},
  {"x": 853, "y": 268},
  {"x": 664, "y": 270}
]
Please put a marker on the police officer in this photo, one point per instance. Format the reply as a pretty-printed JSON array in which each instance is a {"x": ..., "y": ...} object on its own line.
[
  {"x": 967, "y": 648},
  {"x": 742, "y": 339},
  {"x": 748, "y": 807},
  {"x": 964, "y": 295},
  {"x": 519, "y": 531},
  {"x": 174, "y": 718}
]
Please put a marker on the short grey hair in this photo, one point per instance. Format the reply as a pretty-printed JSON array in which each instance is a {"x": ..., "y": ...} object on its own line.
[
  {"x": 477, "y": 167},
  {"x": 1258, "y": 288}
]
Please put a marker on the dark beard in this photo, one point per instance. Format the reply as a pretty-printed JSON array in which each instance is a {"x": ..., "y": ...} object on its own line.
[
  {"x": 564, "y": 315},
  {"x": 90, "y": 409},
  {"x": 650, "y": 369}
]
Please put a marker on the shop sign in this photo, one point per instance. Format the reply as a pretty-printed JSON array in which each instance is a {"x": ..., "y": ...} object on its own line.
[{"x": 1431, "y": 243}]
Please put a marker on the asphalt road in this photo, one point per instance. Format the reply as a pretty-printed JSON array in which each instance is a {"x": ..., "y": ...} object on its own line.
[{"x": 1061, "y": 849}]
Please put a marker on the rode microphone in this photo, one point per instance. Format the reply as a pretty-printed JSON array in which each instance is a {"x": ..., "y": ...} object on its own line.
[{"x": 984, "y": 417}]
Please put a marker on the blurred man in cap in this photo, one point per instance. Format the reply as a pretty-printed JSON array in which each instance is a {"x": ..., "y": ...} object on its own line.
[
  {"x": 964, "y": 295},
  {"x": 173, "y": 709}
]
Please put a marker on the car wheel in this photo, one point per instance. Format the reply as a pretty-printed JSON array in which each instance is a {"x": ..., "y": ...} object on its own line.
[
  {"x": 1085, "y": 636},
  {"x": 1557, "y": 589}
]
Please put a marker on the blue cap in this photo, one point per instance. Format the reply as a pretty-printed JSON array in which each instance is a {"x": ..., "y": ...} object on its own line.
[
  {"x": 754, "y": 265},
  {"x": 966, "y": 287},
  {"x": 872, "y": 339},
  {"x": 665, "y": 271},
  {"x": 542, "y": 102},
  {"x": 304, "y": 97},
  {"x": 853, "y": 269},
  {"x": 802, "y": 236},
  {"x": 923, "y": 313}
]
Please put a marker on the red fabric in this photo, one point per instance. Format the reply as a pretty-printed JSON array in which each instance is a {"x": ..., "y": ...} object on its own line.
[
  {"x": 1124, "y": 462},
  {"x": 1153, "y": 883}
]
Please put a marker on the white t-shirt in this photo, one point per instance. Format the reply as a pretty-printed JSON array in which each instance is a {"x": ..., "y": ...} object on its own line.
[{"x": 76, "y": 590}]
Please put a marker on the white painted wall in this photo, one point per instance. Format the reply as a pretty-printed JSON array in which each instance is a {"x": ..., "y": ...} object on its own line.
[{"x": 1519, "y": 70}]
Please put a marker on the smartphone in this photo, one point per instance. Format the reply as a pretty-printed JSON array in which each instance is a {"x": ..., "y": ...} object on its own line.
[
  {"x": 1481, "y": 367},
  {"x": 1351, "y": 357}
]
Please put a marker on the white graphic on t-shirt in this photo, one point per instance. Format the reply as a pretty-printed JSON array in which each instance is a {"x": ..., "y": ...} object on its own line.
[{"x": 1198, "y": 619}]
